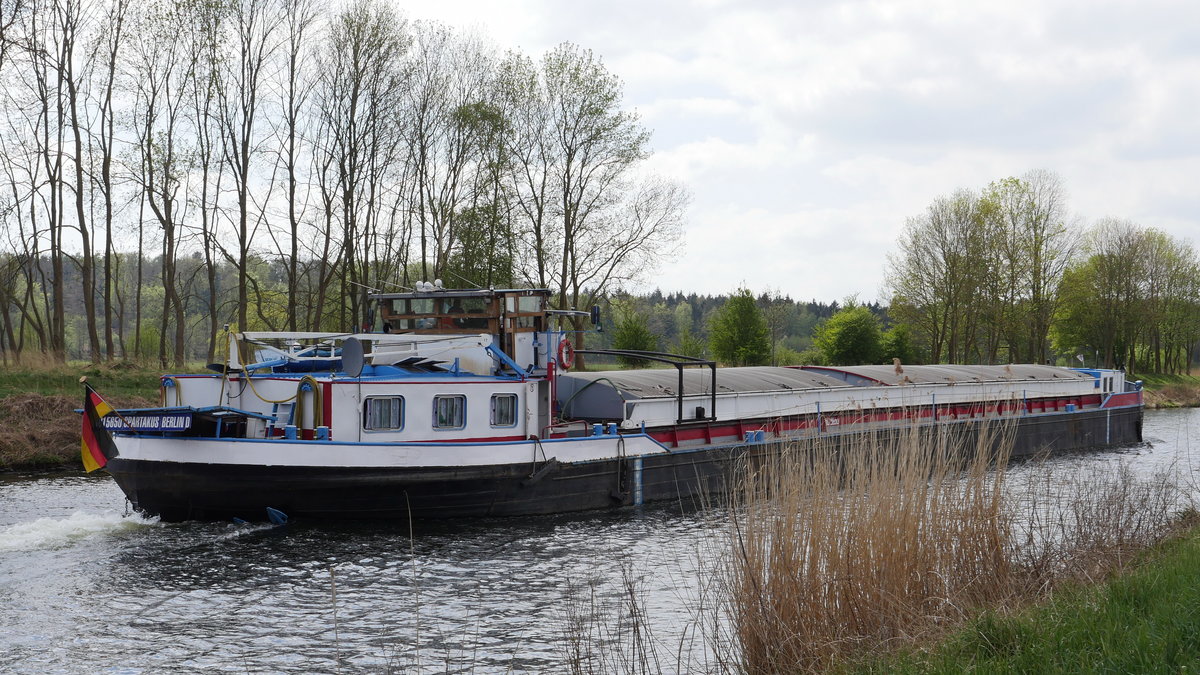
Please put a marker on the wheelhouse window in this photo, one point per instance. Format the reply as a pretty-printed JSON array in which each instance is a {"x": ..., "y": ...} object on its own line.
[
  {"x": 449, "y": 412},
  {"x": 383, "y": 413},
  {"x": 504, "y": 410}
]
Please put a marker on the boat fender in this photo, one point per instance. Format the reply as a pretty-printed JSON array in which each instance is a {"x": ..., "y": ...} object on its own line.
[
  {"x": 566, "y": 354},
  {"x": 276, "y": 516}
]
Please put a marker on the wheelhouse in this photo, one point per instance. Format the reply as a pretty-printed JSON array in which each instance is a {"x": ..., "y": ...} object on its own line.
[{"x": 512, "y": 316}]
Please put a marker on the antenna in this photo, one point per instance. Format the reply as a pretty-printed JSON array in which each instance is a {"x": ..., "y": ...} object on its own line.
[
  {"x": 465, "y": 281},
  {"x": 369, "y": 288}
]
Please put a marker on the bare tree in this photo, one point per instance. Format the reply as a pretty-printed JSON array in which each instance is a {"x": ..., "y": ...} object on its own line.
[
  {"x": 10, "y": 14},
  {"x": 625, "y": 242},
  {"x": 299, "y": 22},
  {"x": 21, "y": 160},
  {"x": 69, "y": 21},
  {"x": 1103, "y": 294},
  {"x": 594, "y": 223},
  {"x": 254, "y": 24},
  {"x": 361, "y": 83},
  {"x": 109, "y": 46},
  {"x": 372, "y": 152},
  {"x": 529, "y": 145},
  {"x": 450, "y": 79},
  {"x": 164, "y": 67},
  {"x": 1030, "y": 221},
  {"x": 207, "y": 36},
  {"x": 45, "y": 135}
]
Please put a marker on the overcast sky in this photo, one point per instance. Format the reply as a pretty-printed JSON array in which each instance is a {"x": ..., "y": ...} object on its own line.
[{"x": 809, "y": 131}]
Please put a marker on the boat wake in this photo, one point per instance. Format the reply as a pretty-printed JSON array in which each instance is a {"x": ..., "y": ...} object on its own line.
[
  {"x": 241, "y": 530},
  {"x": 50, "y": 533}
]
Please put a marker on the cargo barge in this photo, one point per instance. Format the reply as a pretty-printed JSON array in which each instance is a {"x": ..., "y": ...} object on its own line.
[{"x": 462, "y": 403}]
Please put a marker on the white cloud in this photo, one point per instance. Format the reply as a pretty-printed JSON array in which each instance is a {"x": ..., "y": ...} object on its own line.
[{"x": 809, "y": 131}]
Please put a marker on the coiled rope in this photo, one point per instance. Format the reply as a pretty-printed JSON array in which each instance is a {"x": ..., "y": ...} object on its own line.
[{"x": 169, "y": 383}]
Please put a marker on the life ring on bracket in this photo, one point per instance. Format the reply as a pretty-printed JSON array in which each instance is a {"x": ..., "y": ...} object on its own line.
[{"x": 566, "y": 354}]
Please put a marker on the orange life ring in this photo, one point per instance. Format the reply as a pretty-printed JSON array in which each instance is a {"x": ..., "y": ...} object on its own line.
[{"x": 566, "y": 354}]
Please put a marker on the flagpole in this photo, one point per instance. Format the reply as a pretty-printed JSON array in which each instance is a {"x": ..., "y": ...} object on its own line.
[{"x": 84, "y": 382}]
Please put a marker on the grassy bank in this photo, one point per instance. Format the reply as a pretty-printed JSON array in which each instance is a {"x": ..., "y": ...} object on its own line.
[
  {"x": 1142, "y": 621},
  {"x": 39, "y": 429},
  {"x": 1171, "y": 391},
  {"x": 121, "y": 379}
]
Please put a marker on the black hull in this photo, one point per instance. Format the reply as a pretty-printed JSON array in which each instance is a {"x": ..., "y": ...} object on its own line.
[{"x": 196, "y": 491}]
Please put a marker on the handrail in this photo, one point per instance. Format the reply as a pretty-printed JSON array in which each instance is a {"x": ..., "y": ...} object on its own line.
[{"x": 679, "y": 361}]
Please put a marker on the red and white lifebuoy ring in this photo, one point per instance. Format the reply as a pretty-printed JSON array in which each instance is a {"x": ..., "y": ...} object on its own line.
[{"x": 566, "y": 354}]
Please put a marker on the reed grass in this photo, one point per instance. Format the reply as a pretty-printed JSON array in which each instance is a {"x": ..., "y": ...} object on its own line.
[
  {"x": 608, "y": 634},
  {"x": 848, "y": 545},
  {"x": 853, "y": 547},
  {"x": 607, "y": 627}
]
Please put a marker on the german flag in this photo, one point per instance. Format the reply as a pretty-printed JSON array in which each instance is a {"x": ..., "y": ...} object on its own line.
[{"x": 97, "y": 445}]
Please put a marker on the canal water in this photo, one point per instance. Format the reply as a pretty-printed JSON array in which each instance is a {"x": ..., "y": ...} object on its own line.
[{"x": 86, "y": 587}]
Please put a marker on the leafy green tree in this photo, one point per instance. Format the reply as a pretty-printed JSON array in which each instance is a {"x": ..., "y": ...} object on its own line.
[
  {"x": 935, "y": 276},
  {"x": 683, "y": 318},
  {"x": 976, "y": 275},
  {"x": 484, "y": 253},
  {"x": 738, "y": 332},
  {"x": 898, "y": 343},
  {"x": 1028, "y": 246},
  {"x": 1132, "y": 301},
  {"x": 850, "y": 337},
  {"x": 690, "y": 345},
  {"x": 633, "y": 333}
]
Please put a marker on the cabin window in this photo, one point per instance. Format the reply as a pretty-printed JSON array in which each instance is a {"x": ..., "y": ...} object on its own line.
[
  {"x": 504, "y": 410},
  {"x": 383, "y": 413},
  {"x": 523, "y": 303},
  {"x": 449, "y": 412},
  {"x": 524, "y": 311}
]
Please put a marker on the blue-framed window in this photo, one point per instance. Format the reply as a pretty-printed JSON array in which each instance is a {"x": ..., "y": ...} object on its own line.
[
  {"x": 504, "y": 410},
  {"x": 383, "y": 413},
  {"x": 449, "y": 411}
]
